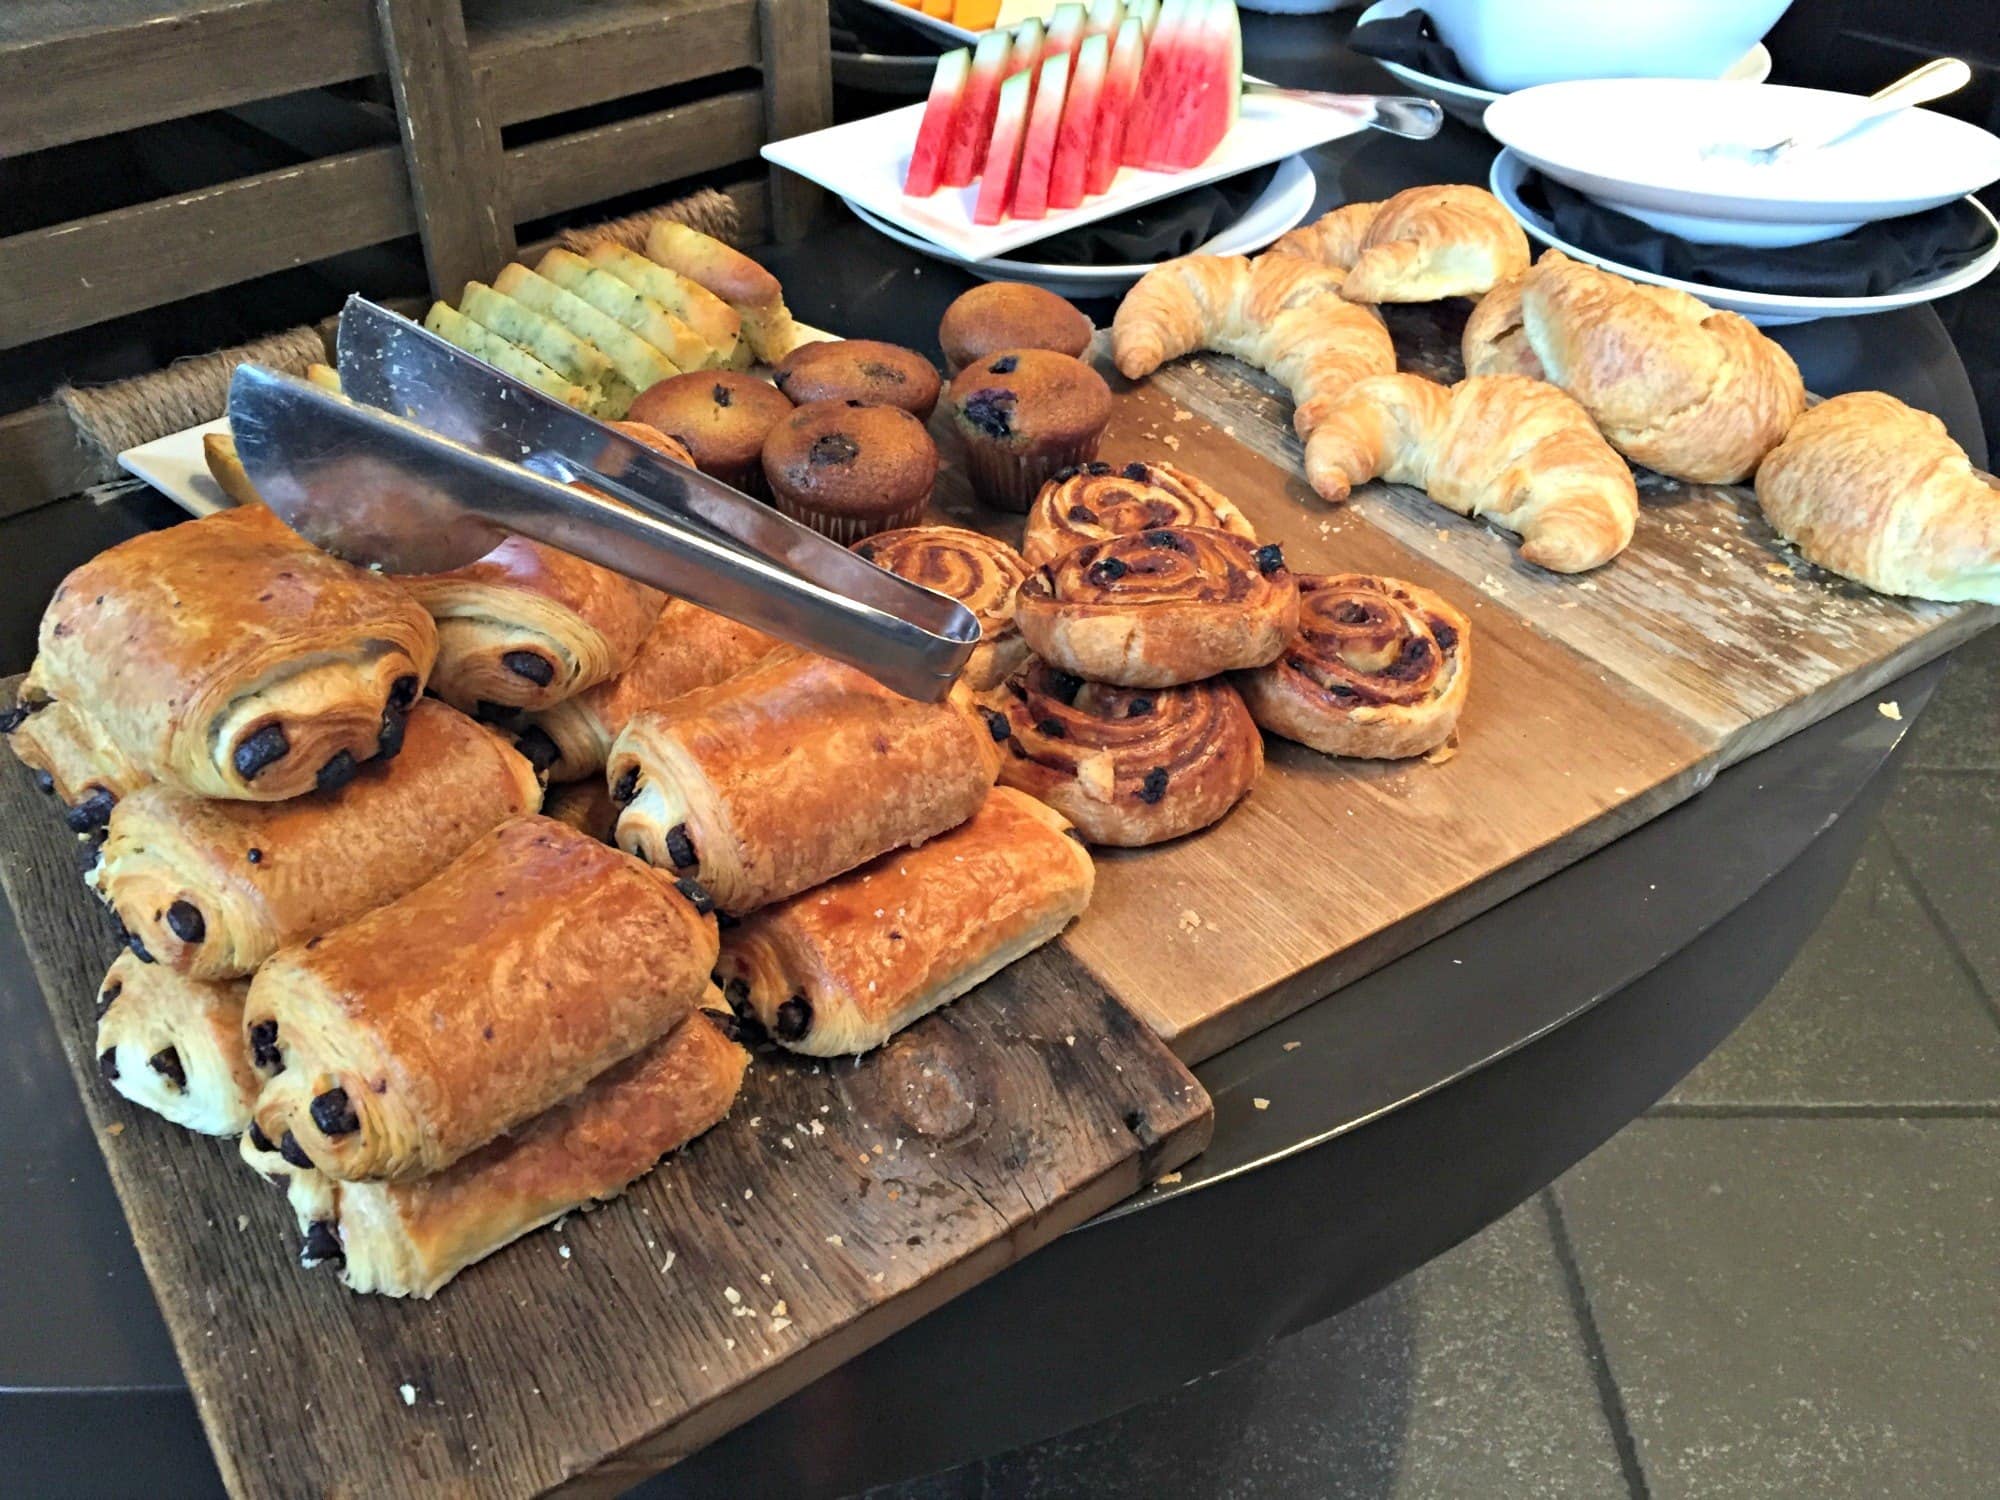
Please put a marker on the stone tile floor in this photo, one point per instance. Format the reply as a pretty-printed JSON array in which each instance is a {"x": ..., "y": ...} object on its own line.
[{"x": 1783, "y": 1281}]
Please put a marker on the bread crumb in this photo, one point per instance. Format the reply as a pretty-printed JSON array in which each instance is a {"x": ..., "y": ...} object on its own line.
[
  {"x": 242, "y": 1222},
  {"x": 1442, "y": 753},
  {"x": 409, "y": 1393},
  {"x": 117, "y": 1129},
  {"x": 1190, "y": 920},
  {"x": 1293, "y": 1046},
  {"x": 1890, "y": 710},
  {"x": 1167, "y": 1179},
  {"x": 563, "y": 1251},
  {"x": 1069, "y": 1041},
  {"x": 731, "y": 1295},
  {"x": 667, "y": 1264},
  {"x": 1261, "y": 1103},
  {"x": 779, "y": 1325},
  {"x": 779, "y": 1310}
]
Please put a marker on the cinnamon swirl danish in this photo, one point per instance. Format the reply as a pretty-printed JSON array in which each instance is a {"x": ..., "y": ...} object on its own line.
[
  {"x": 1162, "y": 607},
  {"x": 1379, "y": 669},
  {"x": 981, "y": 572},
  {"x": 1127, "y": 766},
  {"x": 1096, "y": 501}
]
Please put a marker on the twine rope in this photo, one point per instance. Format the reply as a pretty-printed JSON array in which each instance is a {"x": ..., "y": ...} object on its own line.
[{"x": 713, "y": 213}]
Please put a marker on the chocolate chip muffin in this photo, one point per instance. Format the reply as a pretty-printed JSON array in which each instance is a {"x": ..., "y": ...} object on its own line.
[
  {"x": 849, "y": 470},
  {"x": 860, "y": 370},
  {"x": 1010, "y": 315},
  {"x": 719, "y": 416},
  {"x": 1022, "y": 414}
]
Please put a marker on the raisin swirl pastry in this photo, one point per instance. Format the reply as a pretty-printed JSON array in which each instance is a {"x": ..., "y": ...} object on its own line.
[
  {"x": 843, "y": 968},
  {"x": 415, "y": 1034},
  {"x": 1159, "y": 608},
  {"x": 1128, "y": 767},
  {"x": 1094, "y": 501},
  {"x": 983, "y": 573},
  {"x": 212, "y": 889},
  {"x": 527, "y": 626},
  {"x": 1379, "y": 669},
  {"x": 174, "y": 1045},
  {"x": 407, "y": 1239},
  {"x": 232, "y": 658},
  {"x": 70, "y": 756}
]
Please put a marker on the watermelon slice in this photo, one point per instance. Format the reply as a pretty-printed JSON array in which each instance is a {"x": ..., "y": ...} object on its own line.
[
  {"x": 934, "y": 134},
  {"x": 1190, "y": 87},
  {"x": 972, "y": 125},
  {"x": 1027, "y": 57},
  {"x": 1071, "y": 173},
  {"x": 1003, "y": 153},
  {"x": 1145, "y": 131},
  {"x": 1066, "y": 23},
  {"x": 1148, "y": 12},
  {"x": 1038, "y": 154},
  {"x": 1106, "y": 16},
  {"x": 1114, "y": 106}
]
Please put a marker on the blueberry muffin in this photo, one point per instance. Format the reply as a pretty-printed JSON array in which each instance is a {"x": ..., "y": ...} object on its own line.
[
  {"x": 1021, "y": 415},
  {"x": 860, "y": 370},
  {"x": 1009, "y": 315},
  {"x": 849, "y": 470},
  {"x": 719, "y": 416}
]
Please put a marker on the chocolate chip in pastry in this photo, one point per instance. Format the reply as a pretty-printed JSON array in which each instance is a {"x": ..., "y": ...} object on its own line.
[
  {"x": 214, "y": 888},
  {"x": 1127, "y": 766},
  {"x": 843, "y": 968},
  {"x": 981, "y": 572},
  {"x": 1158, "y": 608},
  {"x": 528, "y": 625},
  {"x": 1379, "y": 669},
  {"x": 417, "y": 1033},
  {"x": 1095, "y": 501},
  {"x": 174, "y": 1045},
  {"x": 231, "y": 658},
  {"x": 407, "y": 1239},
  {"x": 70, "y": 756},
  {"x": 791, "y": 773},
  {"x": 688, "y": 648}
]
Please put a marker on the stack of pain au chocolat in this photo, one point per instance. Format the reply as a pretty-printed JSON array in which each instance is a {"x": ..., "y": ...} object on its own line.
[
  {"x": 439, "y": 1016},
  {"x": 1573, "y": 375}
]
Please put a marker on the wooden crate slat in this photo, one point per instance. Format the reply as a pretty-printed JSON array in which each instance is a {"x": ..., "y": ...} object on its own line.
[
  {"x": 610, "y": 49},
  {"x": 74, "y": 69},
  {"x": 798, "y": 97},
  {"x": 89, "y": 270},
  {"x": 42, "y": 459},
  {"x": 569, "y": 171}
]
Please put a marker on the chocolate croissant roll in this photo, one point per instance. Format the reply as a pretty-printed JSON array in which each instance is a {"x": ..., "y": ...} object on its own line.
[
  {"x": 1379, "y": 669},
  {"x": 791, "y": 773},
  {"x": 1127, "y": 766},
  {"x": 586, "y": 806},
  {"x": 72, "y": 758},
  {"x": 407, "y": 1239},
  {"x": 688, "y": 648},
  {"x": 1158, "y": 608},
  {"x": 215, "y": 888},
  {"x": 416, "y": 1034},
  {"x": 844, "y": 968},
  {"x": 981, "y": 572},
  {"x": 174, "y": 1045},
  {"x": 527, "y": 626},
  {"x": 231, "y": 658},
  {"x": 1096, "y": 501}
]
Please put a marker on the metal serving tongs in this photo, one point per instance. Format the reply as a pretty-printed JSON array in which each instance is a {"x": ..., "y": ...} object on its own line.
[{"x": 427, "y": 457}]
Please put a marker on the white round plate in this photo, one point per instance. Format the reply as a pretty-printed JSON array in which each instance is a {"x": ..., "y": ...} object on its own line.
[
  {"x": 1283, "y": 204},
  {"x": 1467, "y": 104},
  {"x": 1768, "y": 309},
  {"x": 1637, "y": 144}
]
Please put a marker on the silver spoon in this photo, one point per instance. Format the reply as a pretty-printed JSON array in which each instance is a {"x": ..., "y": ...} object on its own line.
[
  {"x": 1935, "y": 79},
  {"x": 1406, "y": 115}
]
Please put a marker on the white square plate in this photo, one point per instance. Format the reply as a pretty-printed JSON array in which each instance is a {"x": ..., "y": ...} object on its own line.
[
  {"x": 864, "y": 161},
  {"x": 175, "y": 466}
]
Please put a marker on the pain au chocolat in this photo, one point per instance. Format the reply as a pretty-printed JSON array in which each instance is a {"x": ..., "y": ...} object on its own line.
[{"x": 174, "y": 1045}]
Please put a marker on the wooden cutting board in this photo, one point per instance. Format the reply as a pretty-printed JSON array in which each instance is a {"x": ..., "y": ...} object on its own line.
[
  {"x": 1597, "y": 703},
  {"x": 836, "y": 1204}
]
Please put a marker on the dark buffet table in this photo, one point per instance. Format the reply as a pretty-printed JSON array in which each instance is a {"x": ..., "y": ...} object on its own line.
[{"x": 1423, "y": 1103}]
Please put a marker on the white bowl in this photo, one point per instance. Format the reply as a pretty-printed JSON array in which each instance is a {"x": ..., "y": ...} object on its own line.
[
  {"x": 1516, "y": 44},
  {"x": 1636, "y": 145}
]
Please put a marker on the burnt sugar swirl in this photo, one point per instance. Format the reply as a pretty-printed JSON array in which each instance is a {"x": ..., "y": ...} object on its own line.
[
  {"x": 981, "y": 572},
  {"x": 1127, "y": 766},
  {"x": 1095, "y": 501},
  {"x": 1379, "y": 669},
  {"x": 1162, "y": 607}
]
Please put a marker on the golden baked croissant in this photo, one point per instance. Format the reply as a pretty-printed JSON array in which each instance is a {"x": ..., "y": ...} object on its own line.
[
  {"x": 1515, "y": 451},
  {"x": 1675, "y": 385},
  {"x": 1878, "y": 492},
  {"x": 1445, "y": 240},
  {"x": 1282, "y": 314}
]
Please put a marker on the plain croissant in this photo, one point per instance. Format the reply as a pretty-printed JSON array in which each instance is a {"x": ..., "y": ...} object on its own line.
[
  {"x": 1515, "y": 451},
  {"x": 1451, "y": 240},
  {"x": 1878, "y": 492},
  {"x": 1280, "y": 313},
  {"x": 1675, "y": 385}
]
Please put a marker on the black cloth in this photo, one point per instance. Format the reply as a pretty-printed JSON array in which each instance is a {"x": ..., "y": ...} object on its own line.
[
  {"x": 1412, "y": 42},
  {"x": 1157, "y": 231},
  {"x": 1872, "y": 260}
]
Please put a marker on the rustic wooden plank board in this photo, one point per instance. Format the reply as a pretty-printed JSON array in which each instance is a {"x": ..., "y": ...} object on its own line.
[
  {"x": 645, "y": 151},
  {"x": 1708, "y": 612},
  {"x": 859, "y": 1197},
  {"x": 451, "y": 143},
  {"x": 1558, "y": 757},
  {"x": 798, "y": 99}
]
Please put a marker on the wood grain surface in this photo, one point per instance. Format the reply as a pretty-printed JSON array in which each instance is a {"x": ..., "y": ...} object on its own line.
[{"x": 837, "y": 1203}]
